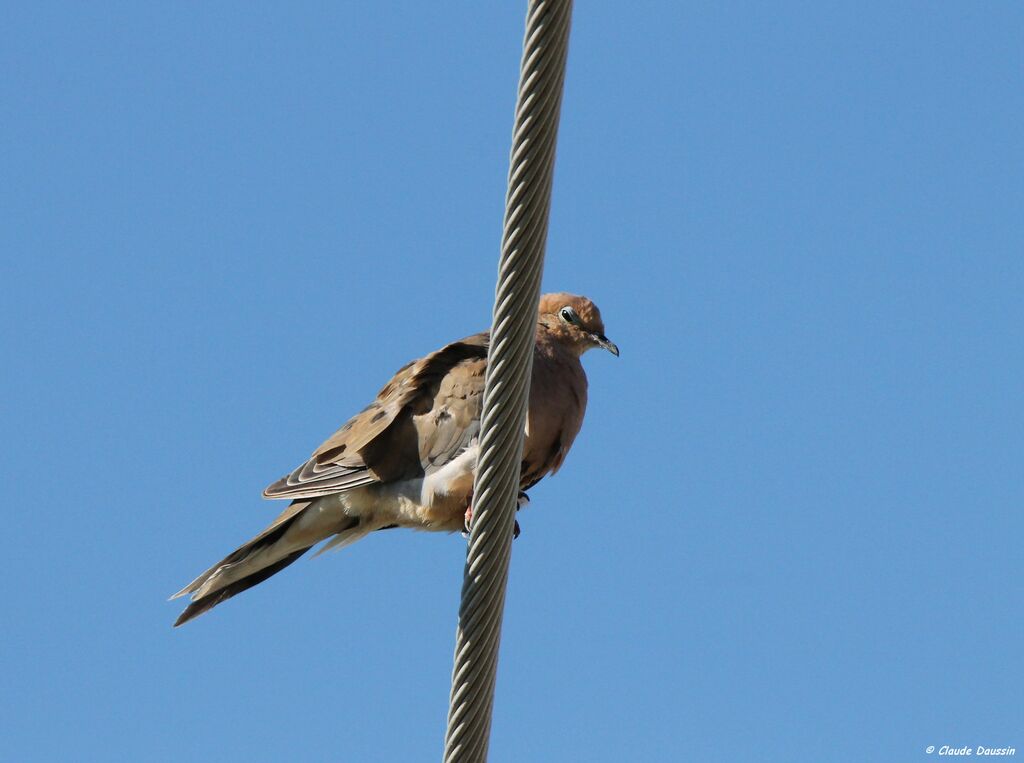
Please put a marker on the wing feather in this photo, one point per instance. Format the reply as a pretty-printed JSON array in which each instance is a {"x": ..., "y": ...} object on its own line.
[{"x": 421, "y": 419}]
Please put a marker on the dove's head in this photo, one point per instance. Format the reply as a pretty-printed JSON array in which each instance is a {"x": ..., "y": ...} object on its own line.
[{"x": 575, "y": 322}]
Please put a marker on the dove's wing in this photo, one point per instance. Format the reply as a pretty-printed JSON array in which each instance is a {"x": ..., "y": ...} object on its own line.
[{"x": 425, "y": 416}]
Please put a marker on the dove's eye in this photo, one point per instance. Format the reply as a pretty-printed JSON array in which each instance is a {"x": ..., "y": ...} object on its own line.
[{"x": 568, "y": 315}]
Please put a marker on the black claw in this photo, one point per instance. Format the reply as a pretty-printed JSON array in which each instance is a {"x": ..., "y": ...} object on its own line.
[{"x": 515, "y": 530}]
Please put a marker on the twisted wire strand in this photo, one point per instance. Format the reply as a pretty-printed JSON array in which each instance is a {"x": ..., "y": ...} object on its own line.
[{"x": 506, "y": 392}]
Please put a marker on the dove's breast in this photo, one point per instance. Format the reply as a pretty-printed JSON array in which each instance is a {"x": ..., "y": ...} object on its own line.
[{"x": 558, "y": 401}]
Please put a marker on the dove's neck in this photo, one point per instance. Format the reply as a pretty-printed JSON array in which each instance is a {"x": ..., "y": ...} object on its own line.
[{"x": 557, "y": 344}]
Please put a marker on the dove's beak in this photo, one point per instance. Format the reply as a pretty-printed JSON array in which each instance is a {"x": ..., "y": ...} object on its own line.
[{"x": 602, "y": 341}]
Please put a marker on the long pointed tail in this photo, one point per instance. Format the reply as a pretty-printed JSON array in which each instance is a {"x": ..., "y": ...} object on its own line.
[
  {"x": 211, "y": 600},
  {"x": 300, "y": 527}
]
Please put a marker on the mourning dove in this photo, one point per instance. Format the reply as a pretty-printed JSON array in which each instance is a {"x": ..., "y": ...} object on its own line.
[{"x": 408, "y": 459}]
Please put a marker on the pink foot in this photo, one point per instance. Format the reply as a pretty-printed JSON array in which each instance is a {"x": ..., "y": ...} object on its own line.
[{"x": 468, "y": 524}]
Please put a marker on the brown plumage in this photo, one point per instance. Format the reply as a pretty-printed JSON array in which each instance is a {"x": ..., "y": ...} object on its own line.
[{"x": 408, "y": 459}]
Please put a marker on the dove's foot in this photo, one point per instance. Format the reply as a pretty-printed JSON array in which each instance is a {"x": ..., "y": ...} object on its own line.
[{"x": 521, "y": 502}]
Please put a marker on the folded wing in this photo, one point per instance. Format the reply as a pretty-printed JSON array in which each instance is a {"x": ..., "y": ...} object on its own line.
[{"x": 425, "y": 416}]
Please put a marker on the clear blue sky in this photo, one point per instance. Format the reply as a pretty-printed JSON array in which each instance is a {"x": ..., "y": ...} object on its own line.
[{"x": 791, "y": 528}]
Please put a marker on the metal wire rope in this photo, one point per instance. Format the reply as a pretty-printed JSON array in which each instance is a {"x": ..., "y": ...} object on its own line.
[{"x": 506, "y": 394}]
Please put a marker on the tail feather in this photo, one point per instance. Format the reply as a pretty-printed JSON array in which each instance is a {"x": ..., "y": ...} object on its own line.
[
  {"x": 290, "y": 536},
  {"x": 211, "y": 600},
  {"x": 265, "y": 539}
]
